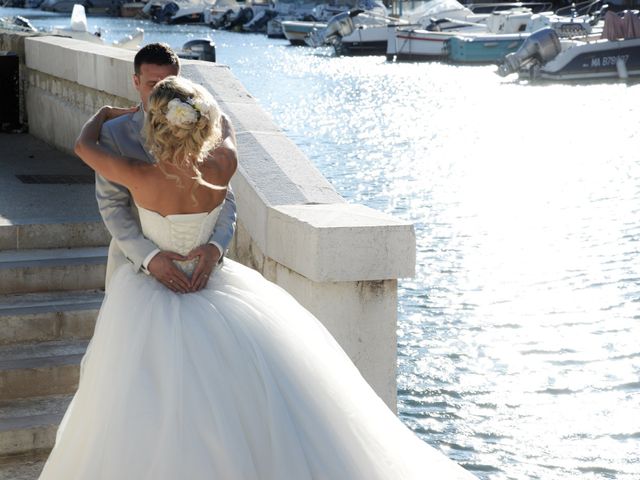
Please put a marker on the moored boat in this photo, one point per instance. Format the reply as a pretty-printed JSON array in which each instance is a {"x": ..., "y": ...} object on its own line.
[
  {"x": 430, "y": 29},
  {"x": 544, "y": 56},
  {"x": 484, "y": 40},
  {"x": 177, "y": 11},
  {"x": 358, "y": 31}
]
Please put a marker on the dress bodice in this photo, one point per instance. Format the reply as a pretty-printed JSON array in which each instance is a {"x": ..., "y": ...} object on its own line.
[{"x": 179, "y": 233}]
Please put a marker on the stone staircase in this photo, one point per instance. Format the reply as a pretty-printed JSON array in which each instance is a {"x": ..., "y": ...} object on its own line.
[{"x": 51, "y": 287}]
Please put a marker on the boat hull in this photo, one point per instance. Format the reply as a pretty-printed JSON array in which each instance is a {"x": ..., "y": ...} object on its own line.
[
  {"x": 362, "y": 48},
  {"x": 593, "y": 61},
  {"x": 483, "y": 48},
  {"x": 364, "y": 41},
  {"x": 187, "y": 18},
  {"x": 417, "y": 44},
  {"x": 297, "y": 31}
]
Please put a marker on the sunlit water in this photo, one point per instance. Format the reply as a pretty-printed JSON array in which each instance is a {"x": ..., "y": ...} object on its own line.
[{"x": 519, "y": 337}]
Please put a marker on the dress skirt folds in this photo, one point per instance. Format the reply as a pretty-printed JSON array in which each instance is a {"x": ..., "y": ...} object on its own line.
[{"x": 235, "y": 382}]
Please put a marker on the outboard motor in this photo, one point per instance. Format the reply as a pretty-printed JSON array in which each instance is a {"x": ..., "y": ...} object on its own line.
[
  {"x": 167, "y": 12},
  {"x": 244, "y": 16},
  {"x": 259, "y": 22},
  {"x": 541, "y": 46},
  {"x": 221, "y": 21},
  {"x": 200, "y": 50},
  {"x": 339, "y": 25},
  {"x": 154, "y": 12}
]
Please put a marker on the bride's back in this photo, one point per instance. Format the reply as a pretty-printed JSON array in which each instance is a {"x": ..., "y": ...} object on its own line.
[
  {"x": 182, "y": 126},
  {"x": 170, "y": 191}
]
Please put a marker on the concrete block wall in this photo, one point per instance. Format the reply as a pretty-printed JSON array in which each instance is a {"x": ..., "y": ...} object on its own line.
[{"x": 341, "y": 261}]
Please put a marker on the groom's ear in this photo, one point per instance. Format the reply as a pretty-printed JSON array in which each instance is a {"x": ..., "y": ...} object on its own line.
[{"x": 136, "y": 81}]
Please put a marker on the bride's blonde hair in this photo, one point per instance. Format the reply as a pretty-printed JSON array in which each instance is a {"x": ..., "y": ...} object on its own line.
[{"x": 182, "y": 125}]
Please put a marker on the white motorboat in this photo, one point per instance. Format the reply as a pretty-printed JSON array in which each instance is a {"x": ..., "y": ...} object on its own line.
[
  {"x": 358, "y": 31},
  {"x": 442, "y": 21},
  {"x": 355, "y": 32},
  {"x": 317, "y": 19},
  {"x": 432, "y": 40},
  {"x": 177, "y": 11},
  {"x": 545, "y": 56},
  {"x": 231, "y": 15},
  {"x": 369, "y": 36},
  {"x": 17, "y": 23},
  {"x": 369, "y": 32},
  {"x": 500, "y": 40}
]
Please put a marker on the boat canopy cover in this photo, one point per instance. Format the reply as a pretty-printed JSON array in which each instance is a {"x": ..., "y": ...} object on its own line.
[
  {"x": 309, "y": 4},
  {"x": 375, "y": 7},
  {"x": 621, "y": 28},
  {"x": 437, "y": 9},
  {"x": 225, "y": 4}
]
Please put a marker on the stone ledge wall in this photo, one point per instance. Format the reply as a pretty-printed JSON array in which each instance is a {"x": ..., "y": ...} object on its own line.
[{"x": 340, "y": 261}]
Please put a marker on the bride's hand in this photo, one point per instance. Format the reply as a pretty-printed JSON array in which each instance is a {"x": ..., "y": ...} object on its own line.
[
  {"x": 107, "y": 112},
  {"x": 86, "y": 142},
  {"x": 162, "y": 268},
  {"x": 207, "y": 255}
]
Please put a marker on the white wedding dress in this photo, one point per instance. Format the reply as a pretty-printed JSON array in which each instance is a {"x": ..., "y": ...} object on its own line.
[{"x": 235, "y": 382}]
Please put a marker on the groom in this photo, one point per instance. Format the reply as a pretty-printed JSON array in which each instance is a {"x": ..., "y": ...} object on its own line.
[{"x": 123, "y": 135}]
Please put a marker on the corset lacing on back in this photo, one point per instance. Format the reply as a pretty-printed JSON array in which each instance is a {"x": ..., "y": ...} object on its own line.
[{"x": 179, "y": 233}]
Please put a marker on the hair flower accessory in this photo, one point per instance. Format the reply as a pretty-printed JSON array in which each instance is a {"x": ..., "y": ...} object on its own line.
[
  {"x": 181, "y": 113},
  {"x": 203, "y": 107}
]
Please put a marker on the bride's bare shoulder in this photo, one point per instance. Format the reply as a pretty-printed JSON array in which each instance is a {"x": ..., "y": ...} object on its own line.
[{"x": 220, "y": 164}]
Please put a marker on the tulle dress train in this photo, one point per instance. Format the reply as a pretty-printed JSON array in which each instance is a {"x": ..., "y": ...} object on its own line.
[{"x": 235, "y": 382}]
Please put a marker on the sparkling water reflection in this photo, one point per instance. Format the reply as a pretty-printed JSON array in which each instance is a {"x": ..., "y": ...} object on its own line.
[{"x": 518, "y": 337}]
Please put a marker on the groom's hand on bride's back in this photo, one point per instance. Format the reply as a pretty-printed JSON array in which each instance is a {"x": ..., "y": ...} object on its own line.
[{"x": 162, "y": 268}]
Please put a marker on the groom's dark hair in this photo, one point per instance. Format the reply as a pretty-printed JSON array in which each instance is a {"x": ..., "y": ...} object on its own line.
[{"x": 155, "y": 54}]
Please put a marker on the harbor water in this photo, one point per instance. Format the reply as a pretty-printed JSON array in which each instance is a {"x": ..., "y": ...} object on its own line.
[{"x": 519, "y": 336}]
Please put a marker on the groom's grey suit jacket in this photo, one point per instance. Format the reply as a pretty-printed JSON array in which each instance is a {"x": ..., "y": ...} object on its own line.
[{"x": 123, "y": 136}]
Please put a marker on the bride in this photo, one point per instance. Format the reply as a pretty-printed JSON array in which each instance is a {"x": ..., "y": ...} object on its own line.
[{"x": 233, "y": 382}]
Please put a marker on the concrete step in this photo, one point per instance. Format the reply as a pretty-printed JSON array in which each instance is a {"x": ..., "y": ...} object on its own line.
[
  {"x": 27, "y": 467},
  {"x": 39, "y": 235},
  {"x": 29, "y": 426},
  {"x": 42, "y": 317},
  {"x": 25, "y": 271},
  {"x": 39, "y": 369}
]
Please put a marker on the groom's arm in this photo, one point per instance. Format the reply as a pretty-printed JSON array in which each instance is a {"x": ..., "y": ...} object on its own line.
[
  {"x": 225, "y": 225},
  {"x": 226, "y": 153},
  {"x": 114, "y": 203}
]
